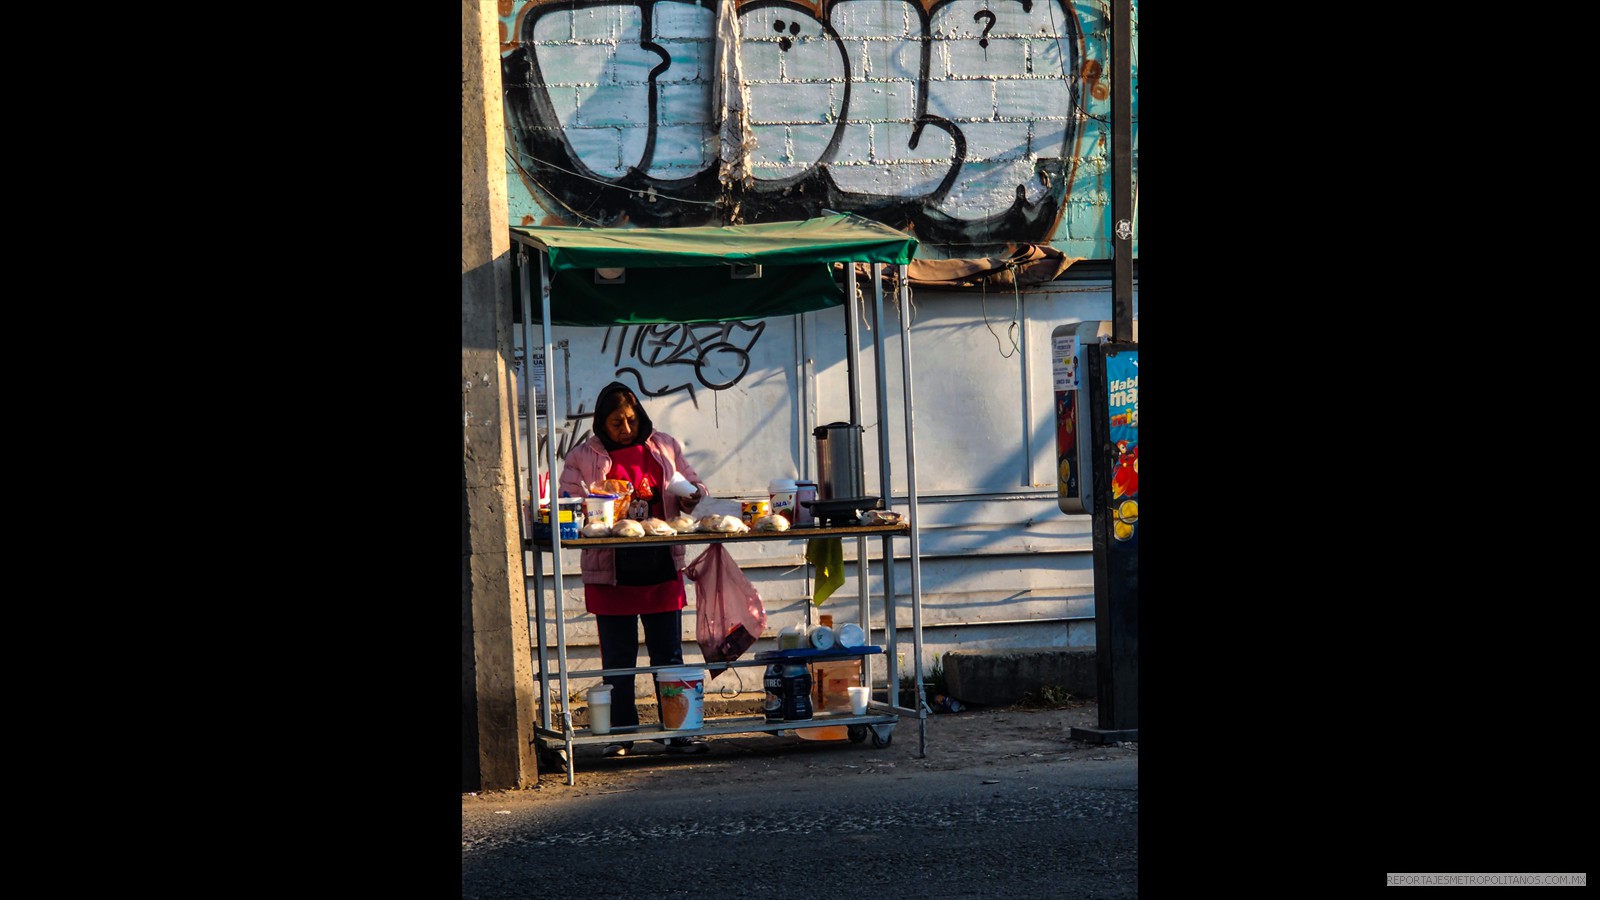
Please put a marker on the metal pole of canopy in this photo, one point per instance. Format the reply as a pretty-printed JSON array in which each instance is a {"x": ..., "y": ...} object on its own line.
[
  {"x": 853, "y": 356},
  {"x": 852, "y": 351},
  {"x": 911, "y": 505},
  {"x": 555, "y": 515},
  {"x": 536, "y": 608},
  {"x": 883, "y": 471},
  {"x": 520, "y": 391}
]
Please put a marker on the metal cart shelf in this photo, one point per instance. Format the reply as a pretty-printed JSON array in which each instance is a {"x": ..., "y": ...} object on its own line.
[{"x": 558, "y": 740}]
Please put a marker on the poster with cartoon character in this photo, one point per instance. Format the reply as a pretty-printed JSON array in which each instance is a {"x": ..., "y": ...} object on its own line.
[
  {"x": 1071, "y": 483},
  {"x": 1122, "y": 413}
]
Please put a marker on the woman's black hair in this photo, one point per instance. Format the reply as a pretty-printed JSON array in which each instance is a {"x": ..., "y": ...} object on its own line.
[{"x": 612, "y": 396}]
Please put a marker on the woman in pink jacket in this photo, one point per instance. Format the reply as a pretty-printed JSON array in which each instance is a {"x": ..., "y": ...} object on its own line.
[{"x": 629, "y": 586}]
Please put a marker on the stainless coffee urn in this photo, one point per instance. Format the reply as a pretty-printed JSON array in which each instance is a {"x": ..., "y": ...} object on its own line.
[{"x": 839, "y": 461}]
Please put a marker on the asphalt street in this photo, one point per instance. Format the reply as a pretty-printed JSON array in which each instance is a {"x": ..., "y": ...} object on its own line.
[{"x": 1000, "y": 805}]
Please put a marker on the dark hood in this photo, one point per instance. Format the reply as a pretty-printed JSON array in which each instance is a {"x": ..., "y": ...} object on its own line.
[{"x": 610, "y": 398}]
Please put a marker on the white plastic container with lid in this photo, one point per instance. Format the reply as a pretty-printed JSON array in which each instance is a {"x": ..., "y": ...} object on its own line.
[
  {"x": 792, "y": 638},
  {"x": 822, "y": 636},
  {"x": 681, "y": 698},
  {"x": 781, "y": 496},
  {"x": 600, "y": 709},
  {"x": 601, "y": 509}
]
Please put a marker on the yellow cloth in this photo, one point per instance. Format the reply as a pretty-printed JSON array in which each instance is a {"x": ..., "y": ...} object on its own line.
[{"x": 827, "y": 554}]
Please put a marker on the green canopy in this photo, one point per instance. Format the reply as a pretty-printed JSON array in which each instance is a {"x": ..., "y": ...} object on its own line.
[{"x": 689, "y": 274}]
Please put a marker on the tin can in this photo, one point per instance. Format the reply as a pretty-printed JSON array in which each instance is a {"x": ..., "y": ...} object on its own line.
[{"x": 751, "y": 510}]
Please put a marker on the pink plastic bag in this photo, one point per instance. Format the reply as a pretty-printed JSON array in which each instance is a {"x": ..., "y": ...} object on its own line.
[{"x": 730, "y": 613}]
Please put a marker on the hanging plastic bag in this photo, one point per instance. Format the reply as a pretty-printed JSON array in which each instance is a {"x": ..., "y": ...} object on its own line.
[{"x": 730, "y": 615}]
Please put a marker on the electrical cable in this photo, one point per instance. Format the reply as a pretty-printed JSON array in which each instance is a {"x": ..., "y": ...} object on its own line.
[
  {"x": 1011, "y": 332},
  {"x": 635, "y": 191}
]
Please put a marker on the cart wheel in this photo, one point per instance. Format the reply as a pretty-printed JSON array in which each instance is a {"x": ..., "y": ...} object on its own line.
[
  {"x": 858, "y": 733},
  {"x": 553, "y": 759},
  {"x": 882, "y": 740}
]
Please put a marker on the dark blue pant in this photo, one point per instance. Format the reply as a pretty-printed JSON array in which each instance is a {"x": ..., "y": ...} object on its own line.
[{"x": 619, "y": 649}]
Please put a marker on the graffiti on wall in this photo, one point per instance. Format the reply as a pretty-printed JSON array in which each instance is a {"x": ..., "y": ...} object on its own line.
[
  {"x": 666, "y": 359},
  {"x": 967, "y": 122},
  {"x": 656, "y": 360}
]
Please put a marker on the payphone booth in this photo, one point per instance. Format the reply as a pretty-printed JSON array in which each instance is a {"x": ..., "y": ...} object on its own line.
[{"x": 1096, "y": 385}]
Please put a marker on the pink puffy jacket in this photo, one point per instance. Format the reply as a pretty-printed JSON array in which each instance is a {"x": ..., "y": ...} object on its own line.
[{"x": 589, "y": 462}]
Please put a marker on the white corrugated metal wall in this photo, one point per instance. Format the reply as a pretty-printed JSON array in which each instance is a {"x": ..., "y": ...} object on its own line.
[{"x": 1002, "y": 566}]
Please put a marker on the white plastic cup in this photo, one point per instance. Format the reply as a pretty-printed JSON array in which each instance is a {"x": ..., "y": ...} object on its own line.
[
  {"x": 859, "y": 696},
  {"x": 600, "y": 709},
  {"x": 680, "y": 486}
]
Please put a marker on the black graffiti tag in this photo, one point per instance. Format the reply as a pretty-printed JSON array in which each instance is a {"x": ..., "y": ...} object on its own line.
[{"x": 717, "y": 354}]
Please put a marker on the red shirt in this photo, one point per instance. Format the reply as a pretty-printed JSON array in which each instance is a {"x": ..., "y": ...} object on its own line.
[{"x": 637, "y": 465}]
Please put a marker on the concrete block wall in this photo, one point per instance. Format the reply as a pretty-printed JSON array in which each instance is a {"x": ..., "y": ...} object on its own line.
[{"x": 1003, "y": 677}]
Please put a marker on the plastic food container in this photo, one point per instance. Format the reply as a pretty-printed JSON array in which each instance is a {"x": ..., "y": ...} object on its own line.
[
  {"x": 849, "y": 635},
  {"x": 601, "y": 508},
  {"x": 751, "y": 510},
  {"x": 781, "y": 494},
  {"x": 600, "y": 709},
  {"x": 569, "y": 512},
  {"x": 792, "y": 638},
  {"x": 682, "y": 695}
]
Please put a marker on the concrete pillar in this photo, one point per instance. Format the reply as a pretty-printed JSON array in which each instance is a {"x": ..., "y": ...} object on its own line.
[{"x": 497, "y": 693}]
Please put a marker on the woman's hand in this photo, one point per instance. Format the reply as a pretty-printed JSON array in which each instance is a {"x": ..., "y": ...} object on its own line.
[{"x": 689, "y": 503}]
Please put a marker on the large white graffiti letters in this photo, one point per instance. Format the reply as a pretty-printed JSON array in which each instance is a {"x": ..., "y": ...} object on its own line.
[{"x": 956, "y": 118}]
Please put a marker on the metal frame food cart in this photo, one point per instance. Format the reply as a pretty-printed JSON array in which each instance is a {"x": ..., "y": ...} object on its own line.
[{"x": 702, "y": 274}]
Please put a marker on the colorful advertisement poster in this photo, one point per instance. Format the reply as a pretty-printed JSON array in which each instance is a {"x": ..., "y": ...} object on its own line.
[
  {"x": 1122, "y": 413},
  {"x": 1067, "y": 486},
  {"x": 1071, "y": 486}
]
